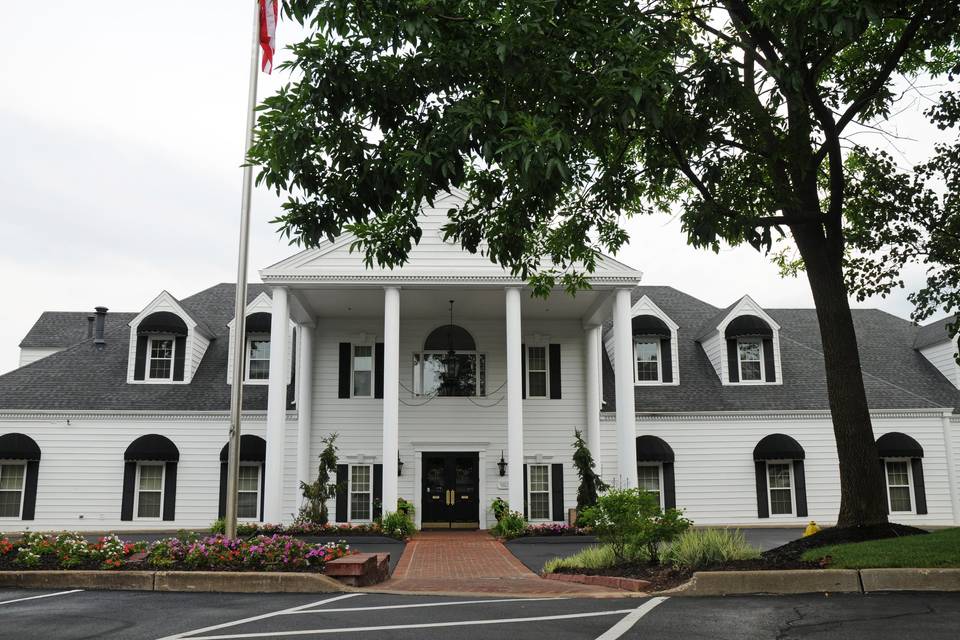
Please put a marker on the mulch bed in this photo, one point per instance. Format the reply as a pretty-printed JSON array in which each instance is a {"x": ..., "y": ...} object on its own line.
[{"x": 783, "y": 557}]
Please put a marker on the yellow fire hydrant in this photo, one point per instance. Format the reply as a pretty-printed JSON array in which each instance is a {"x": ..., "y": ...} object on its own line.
[{"x": 811, "y": 529}]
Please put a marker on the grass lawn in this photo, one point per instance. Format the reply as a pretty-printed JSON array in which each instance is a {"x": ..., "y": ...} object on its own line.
[{"x": 937, "y": 549}]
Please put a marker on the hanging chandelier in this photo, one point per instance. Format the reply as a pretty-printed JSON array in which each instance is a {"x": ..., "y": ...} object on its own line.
[{"x": 451, "y": 363}]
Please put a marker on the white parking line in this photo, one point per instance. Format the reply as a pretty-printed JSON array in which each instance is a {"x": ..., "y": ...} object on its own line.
[
  {"x": 46, "y": 595},
  {"x": 425, "y": 625},
  {"x": 414, "y": 606},
  {"x": 630, "y": 619},
  {"x": 185, "y": 634}
]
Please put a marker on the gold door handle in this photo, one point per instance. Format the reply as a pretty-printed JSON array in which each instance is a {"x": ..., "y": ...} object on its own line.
[{"x": 450, "y": 497}]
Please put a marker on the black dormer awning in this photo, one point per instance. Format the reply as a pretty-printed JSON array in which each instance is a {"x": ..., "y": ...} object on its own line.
[
  {"x": 749, "y": 325},
  {"x": 163, "y": 322},
  {"x": 252, "y": 449},
  {"x": 778, "y": 446},
  {"x": 653, "y": 449},
  {"x": 258, "y": 322},
  {"x": 152, "y": 447},
  {"x": 650, "y": 326},
  {"x": 898, "y": 445},
  {"x": 16, "y": 446}
]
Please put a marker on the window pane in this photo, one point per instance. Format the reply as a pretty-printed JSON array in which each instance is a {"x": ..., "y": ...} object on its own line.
[
  {"x": 161, "y": 358},
  {"x": 750, "y": 371},
  {"x": 538, "y": 384},
  {"x": 247, "y": 506},
  {"x": 249, "y": 478},
  {"x": 539, "y": 477},
  {"x": 260, "y": 349},
  {"x": 539, "y": 506},
  {"x": 148, "y": 505},
  {"x": 259, "y": 370},
  {"x": 780, "y": 502},
  {"x": 749, "y": 351},
  {"x": 537, "y": 359},
  {"x": 362, "y": 358},
  {"x": 151, "y": 477},
  {"x": 360, "y": 478},
  {"x": 362, "y": 383},
  {"x": 11, "y": 477},
  {"x": 360, "y": 506},
  {"x": 258, "y": 367},
  {"x": 648, "y": 477},
  {"x": 645, "y": 354},
  {"x": 9, "y": 504},
  {"x": 900, "y": 499},
  {"x": 897, "y": 473},
  {"x": 779, "y": 475}
]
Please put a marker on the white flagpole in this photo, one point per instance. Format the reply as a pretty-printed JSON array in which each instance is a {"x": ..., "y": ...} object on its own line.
[{"x": 240, "y": 319}]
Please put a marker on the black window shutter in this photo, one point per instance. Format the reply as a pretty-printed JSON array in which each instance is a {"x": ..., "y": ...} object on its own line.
[
  {"x": 769, "y": 365},
  {"x": 523, "y": 376},
  {"x": 222, "y": 502},
  {"x": 378, "y": 491},
  {"x": 30, "y": 490},
  {"x": 263, "y": 487},
  {"x": 341, "y": 514},
  {"x": 556, "y": 486},
  {"x": 669, "y": 487},
  {"x": 666, "y": 360},
  {"x": 179, "y": 357},
  {"x": 129, "y": 480},
  {"x": 919, "y": 487},
  {"x": 378, "y": 370},
  {"x": 763, "y": 508},
  {"x": 733, "y": 361},
  {"x": 140, "y": 360},
  {"x": 800, "y": 486},
  {"x": 886, "y": 491},
  {"x": 554, "y": 364},
  {"x": 525, "y": 491},
  {"x": 344, "y": 386},
  {"x": 170, "y": 491}
]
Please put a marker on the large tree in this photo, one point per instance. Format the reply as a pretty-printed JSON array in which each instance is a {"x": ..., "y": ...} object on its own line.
[{"x": 558, "y": 117}]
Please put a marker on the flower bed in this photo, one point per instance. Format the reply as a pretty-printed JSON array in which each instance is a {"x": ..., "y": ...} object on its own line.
[
  {"x": 306, "y": 529},
  {"x": 187, "y": 553},
  {"x": 544, "y": 529}
]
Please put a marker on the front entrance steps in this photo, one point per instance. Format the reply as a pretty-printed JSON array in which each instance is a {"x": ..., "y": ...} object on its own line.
[
  {"x": 360, "y": 569},
  {"x": 474, "y": 563}
]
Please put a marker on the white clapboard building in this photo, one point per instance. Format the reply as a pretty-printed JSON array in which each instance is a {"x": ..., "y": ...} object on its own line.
[{"x": 449, "y": 385}]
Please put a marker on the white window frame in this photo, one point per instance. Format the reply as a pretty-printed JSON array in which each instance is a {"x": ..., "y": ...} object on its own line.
[
  {"x": 373, "y": 367},
  {"x": 136, "y": 492},
  {"x": 23, "y": 486},
  {"x": 656, "y": 341},
  {"x": 248, "y": 352},
  {"x": 530, "y": 492},
  {"x": 350, "y": 493},
  {"x": 763, "y": 364},
  {"x": 909, "y": 485},
  {"x": 545, "y": 370},
  {"x": 481, "y": 357},
  {"x": 259, "y": 467},
  {"x": 173, "y": 356},
  {"x": 659, "y": 466},
  {"x": 793, "y": 490}
]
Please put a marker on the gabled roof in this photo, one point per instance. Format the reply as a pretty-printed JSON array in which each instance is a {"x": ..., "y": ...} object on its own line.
[
  {"x": 166, "y": 302},
  {"x": 60, "y": 329},
  {"x": 935, "y": 332},
  {"x": 431, "y": 260},
  {"x": 896, "y": 376},
  {"x": 745, "y": 305},
  {"x": 83, "y": 378}
]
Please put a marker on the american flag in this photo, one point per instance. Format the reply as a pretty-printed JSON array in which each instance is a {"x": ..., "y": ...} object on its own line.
[{"x": 268, "y": 33}]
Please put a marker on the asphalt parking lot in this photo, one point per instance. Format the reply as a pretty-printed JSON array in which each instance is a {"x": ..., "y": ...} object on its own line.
[{"x": 180, "y": 616}]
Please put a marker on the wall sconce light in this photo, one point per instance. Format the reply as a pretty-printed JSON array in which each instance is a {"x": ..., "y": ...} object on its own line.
[
  {"x": 399, "y": 465},
  {"x": 502, "y": 465}
]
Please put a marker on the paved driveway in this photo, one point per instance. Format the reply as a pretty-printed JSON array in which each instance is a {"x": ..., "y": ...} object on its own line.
[{"x": 181, "y": 616}]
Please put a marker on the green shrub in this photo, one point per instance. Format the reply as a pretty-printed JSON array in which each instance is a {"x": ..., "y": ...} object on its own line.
[
  {"x": 590, "y": 482},
  {"x": 397, "y": 525},
  {"x": 511, "y": 525},
  {"x": 499, "y": 507},
  {"x": 699, "y": 548},
  {"x": 405, "y": 507},
  {"x": 632, "y": 517},
  {"x": 595, "y": 557},
  {"x": 218, "y": 526}
]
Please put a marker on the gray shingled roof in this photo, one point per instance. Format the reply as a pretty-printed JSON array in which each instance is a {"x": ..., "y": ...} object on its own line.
[
  {"x": 936, "y": 331},
  {"x": 896, "y": 376},
  {"x": 62, "y": 329},
  {"x": 82, "y": 378}
]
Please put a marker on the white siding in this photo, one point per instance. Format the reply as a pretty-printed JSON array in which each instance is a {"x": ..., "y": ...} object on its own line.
[
  {"x": 32, "y": 354},
  {"x": 944, "y": 357},
  {"x": 196, "y": 347},
  {"x": 715, "y": 348}
]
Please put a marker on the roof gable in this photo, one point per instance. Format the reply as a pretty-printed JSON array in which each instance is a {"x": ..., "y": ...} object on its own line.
[{"x": 744, "y": 306}]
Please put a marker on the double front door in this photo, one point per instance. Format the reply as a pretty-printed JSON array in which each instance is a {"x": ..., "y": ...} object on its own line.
[{"x": 451, "y": 491}]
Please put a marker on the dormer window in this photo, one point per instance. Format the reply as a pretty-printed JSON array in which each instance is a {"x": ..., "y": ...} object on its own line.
[
  {"x": 653, "y": 347},
  {"x": 258, "y": 358},
  {"x": 160, "y": 350},
  {"x": 256, "y": 340},
  {"x": 751, "y": 350},
  {"x": 750, "y": 357}
]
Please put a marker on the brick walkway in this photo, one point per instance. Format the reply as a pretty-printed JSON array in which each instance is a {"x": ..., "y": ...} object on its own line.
[{"x": 474, "y": 562}]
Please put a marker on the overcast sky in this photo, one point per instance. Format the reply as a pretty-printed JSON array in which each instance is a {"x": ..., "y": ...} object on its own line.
[{"x": 122, "y": 134}]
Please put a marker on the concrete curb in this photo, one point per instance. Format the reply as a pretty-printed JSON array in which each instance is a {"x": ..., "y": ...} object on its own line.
[
  {"x": 188, "y": 581},
  {"x": 725, "y": 583},
  {"x": 612, "y": 582},
  {"x": 910, "y": 579}
]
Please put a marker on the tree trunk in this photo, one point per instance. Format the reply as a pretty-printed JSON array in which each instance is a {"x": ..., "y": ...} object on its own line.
[{"x": 862, "y": 486}]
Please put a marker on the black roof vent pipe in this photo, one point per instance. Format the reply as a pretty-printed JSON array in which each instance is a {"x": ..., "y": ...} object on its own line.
[
  {"x": 101, "y": 318},
  {"x": 90, "y": 320}
]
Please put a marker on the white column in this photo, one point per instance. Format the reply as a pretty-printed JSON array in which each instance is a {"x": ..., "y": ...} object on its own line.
[
  {"x": 592, "y": 354},
  {"x": 623, "y": 371},
  {"x": 514, "y": 402},
  {"x": 391, "y": 395},
  {"x": 951, "y": 475},
  {"x": 304, "y": 401},
  {"x": 276, "y": 405}
]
